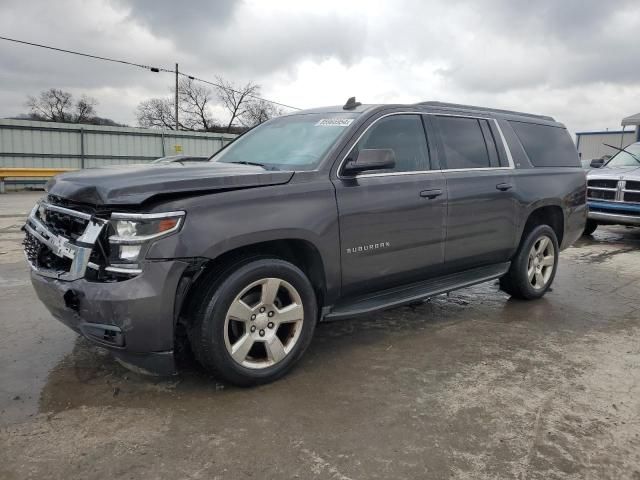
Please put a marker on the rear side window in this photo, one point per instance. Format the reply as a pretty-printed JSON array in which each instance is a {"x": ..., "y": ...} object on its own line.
[
  {"x": 546, "y": 146},
  {"x": 404, "y": 135},
  {"x": 467, "y": 143}
]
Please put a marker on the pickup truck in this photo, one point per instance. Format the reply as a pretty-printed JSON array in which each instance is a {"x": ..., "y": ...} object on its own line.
[
  {"x": 613, "y": 192},
  {"x": 320, "y": 215}
]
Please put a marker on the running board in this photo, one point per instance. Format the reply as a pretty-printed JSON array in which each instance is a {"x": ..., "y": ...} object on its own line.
[{"x": 414, "y": 292}]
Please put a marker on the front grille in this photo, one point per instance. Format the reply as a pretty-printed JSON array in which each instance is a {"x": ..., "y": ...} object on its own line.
[
  {"x": 68, "y": 226},
  {"x": 632, "y": 197},
  {"x": 31, "y": 247},
  {"x": 40, "y": 256},
  {"x": 601, "y": 194},
  {"x": 603, "y": 183},
  {"x": 632, "y": 185}
]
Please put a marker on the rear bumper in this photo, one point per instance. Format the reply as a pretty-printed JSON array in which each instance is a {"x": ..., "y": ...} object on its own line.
[
  {"x": 134, "y": 318},
  {"x": 617, "y": 213}
]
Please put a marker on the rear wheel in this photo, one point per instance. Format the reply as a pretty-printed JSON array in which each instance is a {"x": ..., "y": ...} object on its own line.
[
  {"x": 590, "y": 227},
  {"x": 252, "y": 325},
  {"x": 534, "y": 266}
]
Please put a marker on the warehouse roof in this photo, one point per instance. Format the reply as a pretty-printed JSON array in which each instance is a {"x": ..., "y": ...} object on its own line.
[{"x": 632, "y": 120}]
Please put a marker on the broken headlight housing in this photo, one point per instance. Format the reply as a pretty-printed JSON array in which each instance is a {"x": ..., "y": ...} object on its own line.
[{"x": 132, "y": 233}]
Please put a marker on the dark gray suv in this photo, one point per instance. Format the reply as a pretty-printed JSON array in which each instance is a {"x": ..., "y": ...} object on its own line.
[{"x": 321, "y": 215}]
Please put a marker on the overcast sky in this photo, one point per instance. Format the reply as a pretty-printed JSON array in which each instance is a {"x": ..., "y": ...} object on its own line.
[{"x": 577, "y": 60}]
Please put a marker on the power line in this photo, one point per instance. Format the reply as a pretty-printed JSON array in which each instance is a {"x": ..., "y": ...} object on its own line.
[
  {"x": 191, "y": 77},
  {"x": 139, "y": 65},
  {"x": 97, "y": 57}
]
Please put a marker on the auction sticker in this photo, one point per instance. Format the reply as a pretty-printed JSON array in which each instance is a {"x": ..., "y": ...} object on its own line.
[{"x": 334, "y": 122}]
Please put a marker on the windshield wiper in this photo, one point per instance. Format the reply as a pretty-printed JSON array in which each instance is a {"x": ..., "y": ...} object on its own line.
[
  {"x": 637, "y": 159},
  {"x": 256, "y": 164}
]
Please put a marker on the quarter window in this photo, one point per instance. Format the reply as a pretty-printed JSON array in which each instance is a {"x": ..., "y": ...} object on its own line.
[
  {"x": 547, "y": 146},
  {"x": 404, "y": 134},
  {"x": 464, "y": 143}
]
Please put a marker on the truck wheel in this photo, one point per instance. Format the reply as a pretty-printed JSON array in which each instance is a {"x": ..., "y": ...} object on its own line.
[
  {"x": 534, "y": 265},
  {"x": 590, "y": 227},
  {"x": 254, "y": 322}
]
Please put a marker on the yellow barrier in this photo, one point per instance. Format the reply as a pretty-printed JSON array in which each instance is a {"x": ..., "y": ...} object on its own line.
[{"x": 12, "y": 172}]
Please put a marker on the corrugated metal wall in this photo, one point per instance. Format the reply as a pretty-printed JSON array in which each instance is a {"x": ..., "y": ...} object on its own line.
[
  {"x": 590, "y": 144},
  {"x": 25, "y": 143}
]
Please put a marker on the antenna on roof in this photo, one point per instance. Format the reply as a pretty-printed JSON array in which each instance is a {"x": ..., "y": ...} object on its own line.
[{"x": 351, "y": 104}]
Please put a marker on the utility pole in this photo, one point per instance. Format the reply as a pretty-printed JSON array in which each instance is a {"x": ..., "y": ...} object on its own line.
[{"x": 176, "y": 106}]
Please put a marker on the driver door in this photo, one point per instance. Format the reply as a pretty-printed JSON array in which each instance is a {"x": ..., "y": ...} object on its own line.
[{"x": 392, "y": 222}]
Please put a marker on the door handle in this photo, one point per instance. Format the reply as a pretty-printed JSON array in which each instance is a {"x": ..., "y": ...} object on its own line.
[
  {"x": 503, "y": 187},
  {"x": 431, "y": 193}
]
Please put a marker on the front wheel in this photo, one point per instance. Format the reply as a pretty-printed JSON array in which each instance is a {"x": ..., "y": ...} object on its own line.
[
  {"x": 534, "y": 266},
  {"x": 253, "y": 324}
]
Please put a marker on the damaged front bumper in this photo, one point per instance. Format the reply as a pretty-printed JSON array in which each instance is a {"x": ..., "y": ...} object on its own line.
[{"x": 133, "y": 317}]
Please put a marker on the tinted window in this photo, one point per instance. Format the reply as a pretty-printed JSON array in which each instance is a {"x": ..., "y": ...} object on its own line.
[
  {"x": 547, "y": 146},
  {"x": 463, "y": 143},
  {"x": 404, "y": 135}
]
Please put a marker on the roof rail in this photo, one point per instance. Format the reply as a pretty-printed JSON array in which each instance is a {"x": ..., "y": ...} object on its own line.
[{"x": 484, "y": 109}]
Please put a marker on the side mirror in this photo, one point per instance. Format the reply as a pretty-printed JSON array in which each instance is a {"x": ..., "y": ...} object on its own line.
[
  {"x": 371, "y": 159},
  {"x": 597, "y": 163}
]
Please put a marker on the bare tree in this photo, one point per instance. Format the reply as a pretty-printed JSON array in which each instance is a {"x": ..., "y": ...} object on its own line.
[
  {"x": 53, "y": 104},
  {"x": 156, "y": 113},
  {"x": 56, "y": 105},
  {"x": 85, "y": 109},
  {"x": 194, "y": 105},
  {"x": 235, "y": 99},
  {"x": 259, "y": 111}
]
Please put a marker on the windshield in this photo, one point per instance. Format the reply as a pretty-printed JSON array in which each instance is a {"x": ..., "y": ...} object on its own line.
[
  {"x": 624, "y": 159},
  {"x": 294, "y": 142}
]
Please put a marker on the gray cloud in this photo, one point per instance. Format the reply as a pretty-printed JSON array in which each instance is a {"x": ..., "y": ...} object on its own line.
[
  {"x": 547, "y": 56},
  {"x": 182, "y": 19},
  {"x": 524, "y": 44}
]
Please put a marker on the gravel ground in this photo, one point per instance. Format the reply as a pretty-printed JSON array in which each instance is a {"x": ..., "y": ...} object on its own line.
[{"x": 470, "y": 386}]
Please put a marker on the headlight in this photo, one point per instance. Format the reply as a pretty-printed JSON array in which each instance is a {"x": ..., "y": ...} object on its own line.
[{"x": 134, "y": 230}]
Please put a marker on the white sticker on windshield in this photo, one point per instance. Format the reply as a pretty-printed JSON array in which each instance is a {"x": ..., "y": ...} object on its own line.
[{"x": 334, "y": 122}]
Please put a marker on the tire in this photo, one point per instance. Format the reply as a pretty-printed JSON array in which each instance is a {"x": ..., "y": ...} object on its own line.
[
  {"x": 252, "y": 321},
  {"x": 536, "y": 251},
  {"x": 590, "y": 227}
]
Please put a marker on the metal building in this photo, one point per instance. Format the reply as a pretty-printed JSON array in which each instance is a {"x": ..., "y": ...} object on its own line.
[
  {"x": 590, "y": 145},
  {"x": 25, "y": 143}
]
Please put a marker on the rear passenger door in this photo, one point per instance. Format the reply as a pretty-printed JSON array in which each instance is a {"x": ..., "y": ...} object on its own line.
[{"x": 481, "y": 209}]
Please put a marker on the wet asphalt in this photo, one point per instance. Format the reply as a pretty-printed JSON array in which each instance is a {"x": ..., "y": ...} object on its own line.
[{"x": 473, "y": 385}]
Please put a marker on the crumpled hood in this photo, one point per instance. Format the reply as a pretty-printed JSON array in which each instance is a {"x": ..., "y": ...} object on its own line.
[
  {"x": 134, "y": 184},
  {"x": 615, "y": 172}
]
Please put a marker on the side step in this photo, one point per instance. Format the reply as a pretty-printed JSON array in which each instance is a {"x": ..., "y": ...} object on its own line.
[{"x": 413, "y": 292}]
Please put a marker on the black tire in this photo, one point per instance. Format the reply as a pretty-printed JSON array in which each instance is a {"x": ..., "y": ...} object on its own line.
[
  {"x": 590, "y": 227},
  {"x": 209, "y": 312},
  {"x": 516, "y": 282}
]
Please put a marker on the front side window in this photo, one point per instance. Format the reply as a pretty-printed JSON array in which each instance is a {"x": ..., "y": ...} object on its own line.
[
  {"x": 464, "y": 143},
  {"x": 404, "y": 134},
  {"x": 293, "y": 142}
]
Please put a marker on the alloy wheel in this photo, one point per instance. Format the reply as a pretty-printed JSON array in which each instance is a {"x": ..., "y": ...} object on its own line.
[
  {"x": 263, "y": 323},
  {"x": 541, "y": 262}
]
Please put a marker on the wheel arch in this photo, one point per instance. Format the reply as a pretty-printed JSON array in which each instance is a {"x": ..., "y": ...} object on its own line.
[
  {"x": 545, "y": 213},
  {"x": 301, "y": 252}
]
